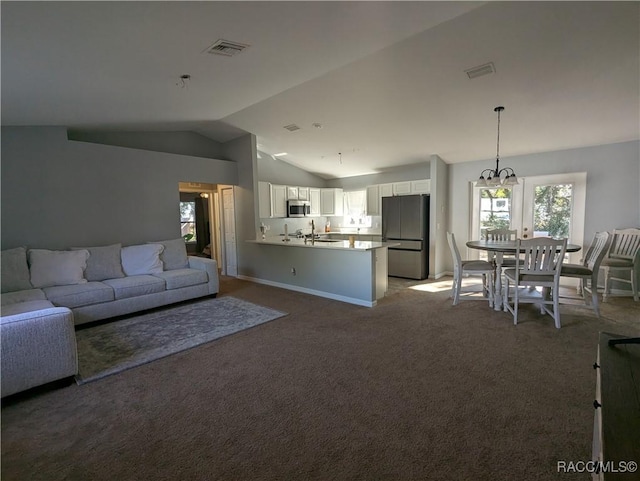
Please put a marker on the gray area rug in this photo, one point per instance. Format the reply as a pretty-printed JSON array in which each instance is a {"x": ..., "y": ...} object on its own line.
[{"x": 114, "y": 347}]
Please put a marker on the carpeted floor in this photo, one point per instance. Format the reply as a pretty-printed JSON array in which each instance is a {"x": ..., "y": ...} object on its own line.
[{"x": 413, "y": 389}]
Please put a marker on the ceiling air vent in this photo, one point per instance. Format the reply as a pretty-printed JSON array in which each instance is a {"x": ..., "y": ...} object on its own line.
[
  {"x": 226, "y": 48},
  {"x": 292, "y": 127},
  {"x": 481, "y": 70}
]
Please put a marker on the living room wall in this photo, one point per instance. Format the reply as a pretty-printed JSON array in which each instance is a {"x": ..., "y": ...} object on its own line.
[
  {"x": 612, "y": 197},
  {"x": 58, "y": 193}
]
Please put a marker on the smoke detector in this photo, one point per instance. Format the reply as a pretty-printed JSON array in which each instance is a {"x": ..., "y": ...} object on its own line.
[
  {"x": 481, "y": 70},
  {"x": 226, "y": 48}
]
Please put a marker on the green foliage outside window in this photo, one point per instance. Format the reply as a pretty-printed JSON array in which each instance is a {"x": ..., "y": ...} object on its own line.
[{"x": 552, "y": 209}]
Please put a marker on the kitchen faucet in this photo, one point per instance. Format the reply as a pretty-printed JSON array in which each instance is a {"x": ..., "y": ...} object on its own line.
[{"x": 313, "y": 235}]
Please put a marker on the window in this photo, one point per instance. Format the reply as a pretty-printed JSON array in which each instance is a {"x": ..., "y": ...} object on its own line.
[
  {"x": 355, "y": 208},
  {"x": 495, "y": 209},
  {"x": 188, "y": 221}
]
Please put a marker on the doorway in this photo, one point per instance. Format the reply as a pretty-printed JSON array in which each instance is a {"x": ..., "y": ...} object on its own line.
[
  {"x": 539, "y": 206},
  {"x": 197, "y": 218}
]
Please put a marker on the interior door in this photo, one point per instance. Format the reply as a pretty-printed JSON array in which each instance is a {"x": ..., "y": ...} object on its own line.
[{"x": 229, "y": 221}]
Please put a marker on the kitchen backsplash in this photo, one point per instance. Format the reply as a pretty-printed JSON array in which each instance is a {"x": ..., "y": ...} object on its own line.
[{"x": 275, "y": 226}]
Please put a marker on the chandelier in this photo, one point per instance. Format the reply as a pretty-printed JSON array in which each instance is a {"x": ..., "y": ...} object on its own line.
[{"x": 495, "y": 177}]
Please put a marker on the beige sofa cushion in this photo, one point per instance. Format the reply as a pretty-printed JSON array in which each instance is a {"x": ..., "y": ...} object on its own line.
[
  {"x": 15, "y": 270},
  {"x": 57, "y": 268}
]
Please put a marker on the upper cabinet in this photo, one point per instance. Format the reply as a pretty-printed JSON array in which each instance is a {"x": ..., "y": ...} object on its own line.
[
  {"x": 314, "y": 202},
  {"x": 278, "y": 200},
  {"x": 272, "y": 199},
  {"x": 303, "y": 194},
  {"x": 331, "y": 202},
  {"x": 421, "y": 186},
  {"x": 292, "y": 193},
  {"x": 375, "y": 193}
]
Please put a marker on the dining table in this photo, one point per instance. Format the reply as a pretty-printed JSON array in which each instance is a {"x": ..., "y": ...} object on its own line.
[{"x": 500, "y": 248}]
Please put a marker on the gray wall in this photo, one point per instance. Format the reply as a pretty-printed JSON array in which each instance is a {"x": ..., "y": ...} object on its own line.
[
  {"x": 243, "y": 151},
  {"x": 396, "y": 174},
  {"x": 439, "y": 253},
  {"x": 278, "y": 172},
  {"x": 181, "y": 142},
  {"x": 58, "y": 193},
  {"x": 613, "y": 195}
]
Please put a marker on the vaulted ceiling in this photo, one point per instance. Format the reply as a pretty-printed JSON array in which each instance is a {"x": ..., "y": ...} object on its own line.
[{"x": 385, "y": 81}]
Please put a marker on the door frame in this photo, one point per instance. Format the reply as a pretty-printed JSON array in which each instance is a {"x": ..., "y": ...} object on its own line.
[
  {"x": 519, "y": 192},
  {"x": 223, "y": 245},
  {"x": 213, "y": 218}
]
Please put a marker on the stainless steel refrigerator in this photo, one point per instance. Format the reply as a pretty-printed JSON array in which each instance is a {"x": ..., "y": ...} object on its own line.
[{"x": 405, "y": 219}]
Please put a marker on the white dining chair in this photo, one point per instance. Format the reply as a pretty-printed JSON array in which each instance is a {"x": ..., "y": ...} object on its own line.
[
  {"x": 538, "y": 267},
  {"x": 622, "y": 257},
  {"x": 588, "y": 271},
  {"x": 502, "y": 235},
  {"x": 469, "y": 267}
]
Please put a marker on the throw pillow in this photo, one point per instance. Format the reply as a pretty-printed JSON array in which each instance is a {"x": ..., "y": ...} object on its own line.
[
  {"x": 57, "y": 268},
  {"x": 15, "y": 270},
  {"x": 142, "y": 259},
  {"x": 103, "y": 263},
  {"x": 174, "y": 255}
]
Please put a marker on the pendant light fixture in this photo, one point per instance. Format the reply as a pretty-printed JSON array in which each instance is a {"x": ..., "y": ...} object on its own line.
[{"x": 494, "y": 177}]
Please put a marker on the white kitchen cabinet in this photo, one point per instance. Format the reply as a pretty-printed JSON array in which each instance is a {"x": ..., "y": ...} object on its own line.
[
  {"x": 264, "y": 200},
  {"x": 402, "y": 188},
  {"x": 373, "y": 200},
  {"x": 303, "y": 193},
  {"x": 386, "y": 190},
  {"x": 331, "y": 202},
  {"x": 278, "y": 200},
  {"x": 292, "y": 193},
  {"x": 314, "y": 202},
  {"x": 421, "y": 186}
]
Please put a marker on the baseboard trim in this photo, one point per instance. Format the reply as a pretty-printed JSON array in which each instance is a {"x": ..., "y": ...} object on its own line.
[{"x": 313, "y": 292}]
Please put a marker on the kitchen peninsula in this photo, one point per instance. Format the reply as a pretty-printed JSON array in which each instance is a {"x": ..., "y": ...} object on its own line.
[{"x": 354, "y": 273}]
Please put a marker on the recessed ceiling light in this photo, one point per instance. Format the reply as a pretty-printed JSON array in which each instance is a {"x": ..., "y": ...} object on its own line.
[{"x": 280, "y": 154}]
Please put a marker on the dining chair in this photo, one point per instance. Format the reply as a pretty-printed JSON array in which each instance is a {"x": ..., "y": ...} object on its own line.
[
  {"x": 469, "y": 267},
  {"x": 538, "y": 267},
  {"x": 588, "y": 271},
  {"x": 622, "y": 256},
  {"x": 502, "y": 235}
]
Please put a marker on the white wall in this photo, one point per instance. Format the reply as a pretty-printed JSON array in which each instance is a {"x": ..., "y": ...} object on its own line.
[
  {"x": 613, "y": 193},
  {"x": 58, "y": 193}
]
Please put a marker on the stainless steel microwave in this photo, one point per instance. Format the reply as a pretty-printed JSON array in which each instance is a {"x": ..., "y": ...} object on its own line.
[{"x": 298, "y": 208}]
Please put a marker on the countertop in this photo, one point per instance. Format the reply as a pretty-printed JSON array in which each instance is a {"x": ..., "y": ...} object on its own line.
[{"x": 335, "y": 245}]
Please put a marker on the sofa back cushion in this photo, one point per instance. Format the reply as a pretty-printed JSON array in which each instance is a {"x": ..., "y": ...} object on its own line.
[
  {"x": 15, "y": 270},
  {"x": 103, "y": 263},
  {"x": 57, "y": 268},
  {"x": 174, "y": 255},
  {"x": 142, "y": 259}
]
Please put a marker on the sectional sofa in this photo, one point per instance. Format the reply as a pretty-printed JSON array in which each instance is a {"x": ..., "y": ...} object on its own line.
[{"x": 46, "y": 293}]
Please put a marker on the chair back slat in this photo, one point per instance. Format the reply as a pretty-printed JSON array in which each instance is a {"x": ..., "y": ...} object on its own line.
[
  {"x": 502, "y": 234},
  {"x": 455, "y": 253},
  {"x": 542, "y": 256},
  {"x": 597, "y": 250},
  {"x": 625, "y": 243}
]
